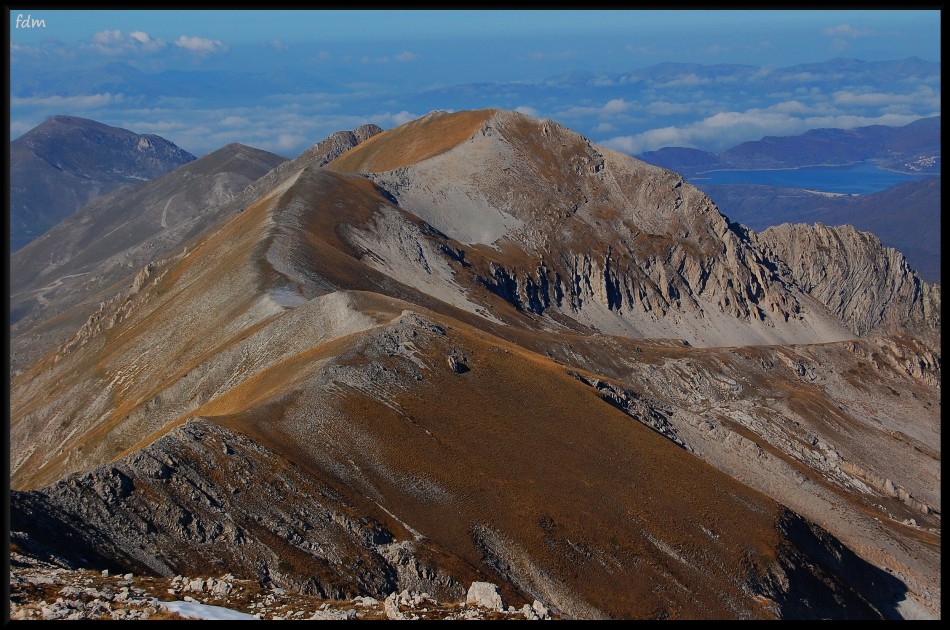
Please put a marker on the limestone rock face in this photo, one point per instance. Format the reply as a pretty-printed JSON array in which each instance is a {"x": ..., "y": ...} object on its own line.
[
  {"x": 871, "y": 287},
  {"x": 339, "y": 143},
  {"x": 282, "y": 530}
]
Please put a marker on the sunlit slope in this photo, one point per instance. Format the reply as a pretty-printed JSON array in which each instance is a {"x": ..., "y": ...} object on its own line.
[{"x": 412, "y": 142}]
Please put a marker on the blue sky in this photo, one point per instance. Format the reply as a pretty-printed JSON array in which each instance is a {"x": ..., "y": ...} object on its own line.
[
  {"x": 316, "y": 72},
  {"x": 776, "y": 36}
]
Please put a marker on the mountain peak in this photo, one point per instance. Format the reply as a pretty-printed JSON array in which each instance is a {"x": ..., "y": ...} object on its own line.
[
  {"x": 62, "y": 164},
  {"x": 413, "y": 142}
]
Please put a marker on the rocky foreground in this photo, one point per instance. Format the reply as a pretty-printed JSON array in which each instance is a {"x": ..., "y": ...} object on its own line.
[{"x": 39, "y": 590}]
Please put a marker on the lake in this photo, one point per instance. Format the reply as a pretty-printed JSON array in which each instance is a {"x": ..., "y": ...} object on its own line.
[{"x": 860, "y": 178}]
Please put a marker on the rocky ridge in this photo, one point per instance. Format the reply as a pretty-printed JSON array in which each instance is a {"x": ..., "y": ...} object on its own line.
[
  {"x": 57, "y": 280},
  {"x": 871, "y": 287}
]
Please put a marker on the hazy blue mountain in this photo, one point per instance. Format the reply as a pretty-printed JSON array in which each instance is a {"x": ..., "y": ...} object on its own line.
[
  {"x": 65, "y": 162},
  {"x": 905, "y": 148}
]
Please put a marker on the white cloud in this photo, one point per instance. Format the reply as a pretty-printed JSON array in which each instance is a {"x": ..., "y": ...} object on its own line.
[
  {"x": 615, "y": 106},
  {"x": 234, "y": 121},
  {"x": 406, "y": 56},
  {"x": 527, "y": 111},
  {"x": 610, "y": 108},
  {"x": 116, "y": 42},
  {"x": 792, "y": 107},
  {"x": 846, "y": 30},
  {"x": 924, "y": 96},
  {"x": 201, "y": 45},
  {"x": 625, "y": 144},
  {"x": 401, "y": 118},
  {"x": 727, "y": 129},
  {"x": 665, "y": 108},
  {"x": 687, "y": 80},
  {"x": 276, "y": 44},
  {"x": 288, "y": 141},
  {"x": 88, "y": 101}
]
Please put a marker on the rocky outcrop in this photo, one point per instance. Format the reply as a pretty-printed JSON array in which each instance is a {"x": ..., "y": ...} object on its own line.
[
  {"x": 339, "y": 143},
  {"x": 318, "y": 156},
  {"x": 39, "y": 590},
  {"x": 206, "y": 499},
  {"x": 646, "y": 410},
  {"x": 871, "y": 287}
]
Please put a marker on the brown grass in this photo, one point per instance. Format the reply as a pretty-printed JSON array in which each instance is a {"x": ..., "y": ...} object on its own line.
[
  {"x": 517, "y": 442},
  {"x": 413, "y": 142}
]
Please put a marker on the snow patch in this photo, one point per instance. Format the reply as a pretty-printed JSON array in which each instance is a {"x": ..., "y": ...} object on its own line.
[{"x": 194, "y": 610}]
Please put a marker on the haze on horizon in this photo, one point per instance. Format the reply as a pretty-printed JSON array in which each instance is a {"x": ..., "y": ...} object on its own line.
[{"x": 283, "y": 80}]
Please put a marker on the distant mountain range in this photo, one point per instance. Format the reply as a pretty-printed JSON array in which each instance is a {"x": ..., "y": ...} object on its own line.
[
  {"x": 478, "y": 347},
  {"x": 913, "y": 148},
  {"x": 605, "y": 106},
  {"x": 65, "y": 162}
]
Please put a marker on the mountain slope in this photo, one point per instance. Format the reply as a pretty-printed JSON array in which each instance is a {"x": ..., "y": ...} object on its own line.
[
  {"x": 351, "y": 339},
  {"x": 65, "y": 162},
  {"x": 91, "y": 255}
]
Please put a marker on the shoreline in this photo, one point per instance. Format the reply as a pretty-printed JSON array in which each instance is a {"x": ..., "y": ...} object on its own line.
[
  {"x": 876, "y": 164},
  {"x": 829, "y": 194}
]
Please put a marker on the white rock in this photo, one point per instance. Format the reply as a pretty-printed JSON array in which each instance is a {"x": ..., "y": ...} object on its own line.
[
  {"x": 486, "y": 595},
  {"x": 391, "y": 606},
  {"x": 541, "y": 610}
]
